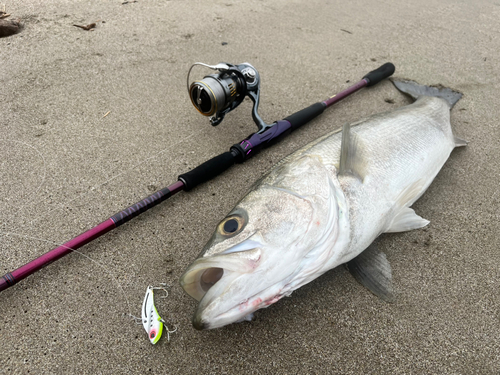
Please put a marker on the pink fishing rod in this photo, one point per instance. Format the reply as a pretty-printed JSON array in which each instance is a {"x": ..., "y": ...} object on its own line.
[{"x": 266, "y": 136}]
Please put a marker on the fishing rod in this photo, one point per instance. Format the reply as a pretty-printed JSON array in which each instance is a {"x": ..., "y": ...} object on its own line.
[{"x": 214, "y": 96}]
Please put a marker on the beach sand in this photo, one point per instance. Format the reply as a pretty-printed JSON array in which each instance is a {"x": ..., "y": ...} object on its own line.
[{"x": 93, "y": 121}]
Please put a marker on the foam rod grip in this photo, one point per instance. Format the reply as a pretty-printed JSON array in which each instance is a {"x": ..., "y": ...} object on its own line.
[
  {"x": 305, "y": 115},
  {"x": 377, "y": 75},
  {"x": 208, "y": 170}
]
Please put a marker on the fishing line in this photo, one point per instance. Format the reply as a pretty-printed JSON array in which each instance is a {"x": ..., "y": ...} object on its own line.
[
  {"x": 136, "y": 319},
  {"x": 104, "y": 267},
  {"x": 61, "y": 206},
  {"x": 231, "y": 85},
  {"x": 145, "y": 160},
  {"x": 29, "y": 200}
]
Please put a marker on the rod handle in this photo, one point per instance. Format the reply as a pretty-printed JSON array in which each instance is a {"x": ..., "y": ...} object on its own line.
[
  {"x": 208, "y": 170},
  {"x": 305, "y": 115},
  {"x": 377, "y": 75}
]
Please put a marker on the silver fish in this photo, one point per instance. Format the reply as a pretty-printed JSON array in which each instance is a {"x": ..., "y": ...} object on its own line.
[{"x": 324, "y": 206}]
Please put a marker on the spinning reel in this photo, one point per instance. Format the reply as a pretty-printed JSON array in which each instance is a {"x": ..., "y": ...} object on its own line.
[{"x": 218, "y": 94}]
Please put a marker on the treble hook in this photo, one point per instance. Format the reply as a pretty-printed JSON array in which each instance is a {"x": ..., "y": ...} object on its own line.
[
  {"x": 162, "y": 287},
  {"x": 168, "y": 331}
]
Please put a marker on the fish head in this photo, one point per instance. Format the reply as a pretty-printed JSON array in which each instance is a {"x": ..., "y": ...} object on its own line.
[{"x": 254, "y": 255}]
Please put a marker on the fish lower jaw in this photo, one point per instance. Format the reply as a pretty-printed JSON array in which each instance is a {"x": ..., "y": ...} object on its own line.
[
  {"x": 242, "y": 312},
  {"x": 201, "y": 322}
]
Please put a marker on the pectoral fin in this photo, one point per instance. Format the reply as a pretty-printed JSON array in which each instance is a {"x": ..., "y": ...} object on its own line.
[
  {"x": 405, "y": 218},
  {"x": 373, "y": 271}
]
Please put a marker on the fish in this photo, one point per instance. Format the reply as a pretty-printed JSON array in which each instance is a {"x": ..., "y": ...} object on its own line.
[{"x": 324, "y": 206}]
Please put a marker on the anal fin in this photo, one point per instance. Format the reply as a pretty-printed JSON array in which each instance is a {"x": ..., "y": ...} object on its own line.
[
  {"x": 372, "y": 270},
  {"x": 459, "y": 142},
  {"x": 406, "y": 220}
]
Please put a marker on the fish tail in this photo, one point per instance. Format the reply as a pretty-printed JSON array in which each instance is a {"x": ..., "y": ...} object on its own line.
[{"x": 416, "y": 90}]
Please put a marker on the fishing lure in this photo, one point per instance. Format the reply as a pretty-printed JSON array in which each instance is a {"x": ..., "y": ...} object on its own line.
[{"x": 151, "y": 320}]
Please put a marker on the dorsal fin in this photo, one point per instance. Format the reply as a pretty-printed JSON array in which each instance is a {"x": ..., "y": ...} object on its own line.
[{"x": 350, "y": 154}]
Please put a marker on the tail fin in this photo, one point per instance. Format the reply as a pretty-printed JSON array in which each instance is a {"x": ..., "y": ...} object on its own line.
[{"x": 415, "y": 91}]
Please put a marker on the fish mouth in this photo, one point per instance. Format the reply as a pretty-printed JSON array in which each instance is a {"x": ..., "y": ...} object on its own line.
[
  {"x": 209, "y": 279},
  {"x": 205, "y": 273}
]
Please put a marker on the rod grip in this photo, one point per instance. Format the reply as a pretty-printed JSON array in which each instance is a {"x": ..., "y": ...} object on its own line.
[
  {"x": 208, "y": 170},
  {"x": 377, "y": 75},
  {"x": 305, "y": 115}
]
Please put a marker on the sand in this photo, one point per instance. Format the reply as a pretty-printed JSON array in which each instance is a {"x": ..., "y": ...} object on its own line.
[{"x": 93, "y": 121}]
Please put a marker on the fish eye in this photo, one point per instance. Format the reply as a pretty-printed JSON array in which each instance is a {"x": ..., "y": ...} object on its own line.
[{"x": 231, "y": 225}]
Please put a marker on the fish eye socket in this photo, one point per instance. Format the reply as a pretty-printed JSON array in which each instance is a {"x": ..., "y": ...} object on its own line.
[{"x": 231, "y": 225}]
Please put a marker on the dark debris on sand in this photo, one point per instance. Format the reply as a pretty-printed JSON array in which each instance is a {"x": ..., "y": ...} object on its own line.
[{"x": 8, "y": 27}]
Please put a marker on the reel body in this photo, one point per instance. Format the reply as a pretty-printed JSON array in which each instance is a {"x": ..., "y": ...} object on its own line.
[{"x": 218, "y": 94}]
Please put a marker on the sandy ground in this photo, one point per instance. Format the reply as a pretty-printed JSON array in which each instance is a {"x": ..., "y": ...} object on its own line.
[{"x": 65, "y": 167}]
